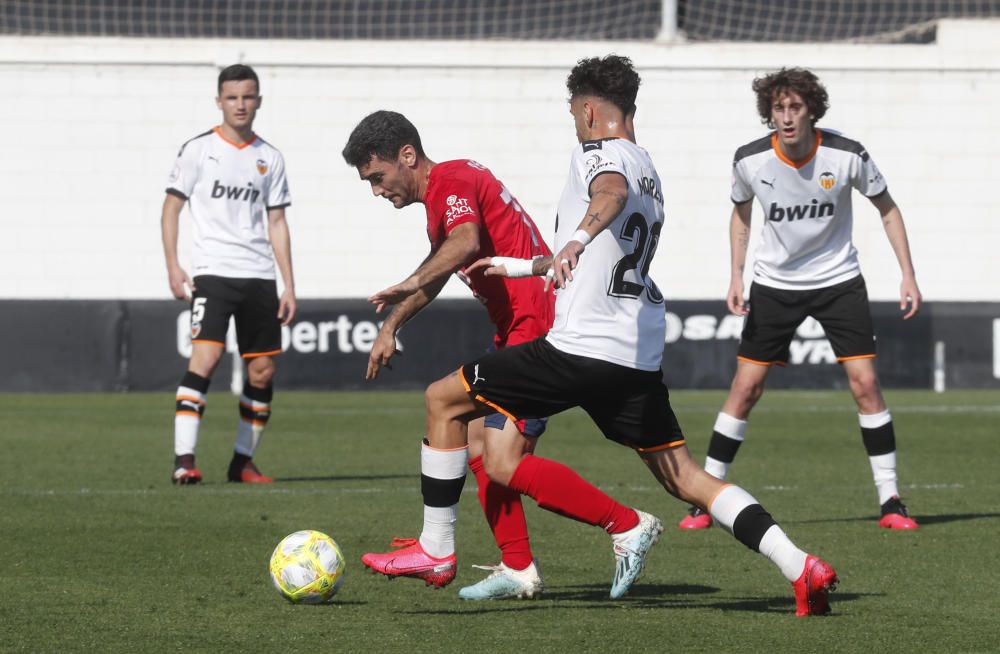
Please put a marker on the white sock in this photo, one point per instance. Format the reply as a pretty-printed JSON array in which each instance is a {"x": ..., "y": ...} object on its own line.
[
  {"x": 187, "y": 419},
  {"x": 250, "y": 431},
  {"x": 733, "y": 429},
  {"x": 781, "y": 551},
  {"x": 884, "y": 474},
  {"x": 438, "y": 535},
  {"x": 883, "y": 465},
  {"x": 774, "y": 545}
]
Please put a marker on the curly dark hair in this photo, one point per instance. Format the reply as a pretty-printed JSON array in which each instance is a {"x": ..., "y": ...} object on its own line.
[
  {"x": 800, "y": 80},
  {"x": 381, "y": 134},
  {"x": 238, "y": 73},
  {"x": 612, "y": 78}
]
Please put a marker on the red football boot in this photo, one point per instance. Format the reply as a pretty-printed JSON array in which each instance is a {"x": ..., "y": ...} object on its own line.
[
  {"x": 412, "y": 561},
  {"x": 811, "y": 588},
  {"x": 894, "y": 515},
  {"x": 248, "y": 474}
]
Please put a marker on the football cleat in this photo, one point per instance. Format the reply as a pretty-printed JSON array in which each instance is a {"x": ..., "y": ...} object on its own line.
[
  {"x": 630, "y": 548},
  {"x": 894, "y": 515},
  {"x": 410, "y": 560},
  {"x": 812, "y": 587},
  {"x": 696, "y": 519},
  {"x": 248, "y": 474},
  {"x": 185, "y": 476},
  {"x": 505, "y": 583}
]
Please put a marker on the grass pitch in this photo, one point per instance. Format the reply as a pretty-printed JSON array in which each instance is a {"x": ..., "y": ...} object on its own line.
[{"x": 100, "y": 553}]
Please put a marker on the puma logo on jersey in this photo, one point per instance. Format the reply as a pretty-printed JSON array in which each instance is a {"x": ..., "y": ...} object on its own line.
[
  {"x": 211, "y": 158},
  {"x": 248, "y": 192},
  {"x": 475, "y": 374},
  {"x": 812, "y": 210},
  {"x": 771, "y": 183}
]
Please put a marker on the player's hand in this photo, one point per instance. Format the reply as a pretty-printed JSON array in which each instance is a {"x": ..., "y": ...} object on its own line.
[
  {"x": 734, "y": 299},
  {"x": 383, "y": 350},
  {"x": 394, "y": 294},
  {"x": 287, "y": 307},
  {"x": 565, "y": 261},
  {"x": 181, "y": 285},
  {"x": 486, "y": 265},
  {"x": 909, "y": 294}
]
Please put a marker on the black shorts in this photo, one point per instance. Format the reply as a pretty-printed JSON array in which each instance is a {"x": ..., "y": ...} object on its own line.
[
  {"x": 535, "y": 380},
  {"x": 775, "y": 314},
  {"x": 254, "y": 304}
]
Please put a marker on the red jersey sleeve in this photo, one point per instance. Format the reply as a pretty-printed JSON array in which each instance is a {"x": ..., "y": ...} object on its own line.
[{"x": 455, "y": 202}]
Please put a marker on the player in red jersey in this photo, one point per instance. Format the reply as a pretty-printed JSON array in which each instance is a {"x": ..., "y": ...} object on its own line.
[{"x": 470, "y": 215}]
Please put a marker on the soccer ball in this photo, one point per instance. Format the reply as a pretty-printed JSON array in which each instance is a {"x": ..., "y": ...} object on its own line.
[{"x": 307, "y": 567}]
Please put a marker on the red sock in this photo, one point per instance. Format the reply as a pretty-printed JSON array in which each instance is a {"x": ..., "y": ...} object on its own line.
[
  {"x": 505, "y": 515},
  {"x": 558, "y": 488}
]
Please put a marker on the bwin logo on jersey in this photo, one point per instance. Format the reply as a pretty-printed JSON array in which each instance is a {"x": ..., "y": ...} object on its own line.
[
  {"x": 248, "y": 193},
  {"x": 812, "y": 210}
]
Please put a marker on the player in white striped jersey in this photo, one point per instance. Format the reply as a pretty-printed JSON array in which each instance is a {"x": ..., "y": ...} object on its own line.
[
  {"x": 234, "y": 183},
  {"x": 603, "y": 354},
  {"x": 806, "y": 265}
]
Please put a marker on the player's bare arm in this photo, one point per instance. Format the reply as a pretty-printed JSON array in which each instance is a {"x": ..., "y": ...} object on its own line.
[
  {"x": 384, "y": 347},
  {"x": 460, "y": 246},
  {"x": 739, "y": 241},
  {"x": 180, "y": 282},
  {"x": 895, "y": 229},
  {"x": 608, "y": 196},
  {"x": 281, "y": 244}
]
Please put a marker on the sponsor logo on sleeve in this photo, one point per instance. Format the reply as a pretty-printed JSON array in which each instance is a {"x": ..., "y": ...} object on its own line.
[
  {"x": 457, "y": 207},
  {"x": 175, "y": 173},
  {"x": 594, "y": 163},
  {"x": 827, "y": 180}
]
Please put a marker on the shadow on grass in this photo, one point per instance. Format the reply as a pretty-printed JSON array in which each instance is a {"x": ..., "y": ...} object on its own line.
[
  {"x": 648, "y": 596},
  {"x": 347, "y": 478},
  {"x": 921, "y": 519}
]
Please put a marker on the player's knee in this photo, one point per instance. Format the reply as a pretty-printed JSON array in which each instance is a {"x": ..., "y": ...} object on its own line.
[
  {"x": 747, "y": 391},
  {"x": 499, "y": 467},
  {"x": 864, "y": 386},
  {"x": 438, "y": 400},
  {"x": 260, "y": 372}
]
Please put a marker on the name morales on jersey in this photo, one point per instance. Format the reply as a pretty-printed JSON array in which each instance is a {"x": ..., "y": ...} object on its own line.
[
  {"x": 797, "y": 212},
  {"x": 648, "y": 187},
  {"x": 248, "y": 192}
]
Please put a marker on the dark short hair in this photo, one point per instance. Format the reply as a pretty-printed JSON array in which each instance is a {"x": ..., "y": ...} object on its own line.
[
  {"x": 238, "y": 73},
  {"x": 801, "y": 81},
  {"x": 612, "y": 78},
  {"x": 381, "y": 134}
]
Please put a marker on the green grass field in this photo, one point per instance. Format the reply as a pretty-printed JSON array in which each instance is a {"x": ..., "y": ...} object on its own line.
[{"x": 100, "y": 553}]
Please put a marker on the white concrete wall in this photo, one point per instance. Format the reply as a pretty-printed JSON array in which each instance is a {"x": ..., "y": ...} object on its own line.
[{"x": 91, "y": 127}]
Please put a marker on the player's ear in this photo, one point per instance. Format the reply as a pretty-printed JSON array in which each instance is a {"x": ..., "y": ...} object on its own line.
[
  {"x": 408, "y": 155},
  {"x": 218, "y": 102},
  {"x": 260, "y": 101}
]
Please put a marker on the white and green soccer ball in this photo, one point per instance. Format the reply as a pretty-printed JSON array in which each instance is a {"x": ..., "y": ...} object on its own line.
[{"x": 307, "y": 567}]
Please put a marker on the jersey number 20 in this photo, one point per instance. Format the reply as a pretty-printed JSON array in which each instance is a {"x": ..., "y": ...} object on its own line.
[{"x": 636, "y": 231}]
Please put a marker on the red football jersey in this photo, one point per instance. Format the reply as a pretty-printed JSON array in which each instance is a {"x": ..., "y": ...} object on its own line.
[{"x": 464, "y": 191}]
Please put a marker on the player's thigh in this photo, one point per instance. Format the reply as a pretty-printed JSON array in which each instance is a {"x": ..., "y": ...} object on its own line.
[
  {"x": 213, "y": 302},
  {"x": 258, "y": 328},
  {"x": 770, "y": 325},
  {"x": 528, "y": 381},
  {"x": 845, "y": 314},
  {"x": 635, "y": 410}
]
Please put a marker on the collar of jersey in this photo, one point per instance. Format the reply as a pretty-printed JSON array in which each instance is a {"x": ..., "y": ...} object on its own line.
[
  {"x": 238, "y": 146},
  {"x": 801, "y": 162}
]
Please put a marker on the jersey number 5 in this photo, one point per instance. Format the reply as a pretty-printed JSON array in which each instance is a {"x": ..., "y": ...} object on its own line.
[{"x": 636, "y": 231}]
